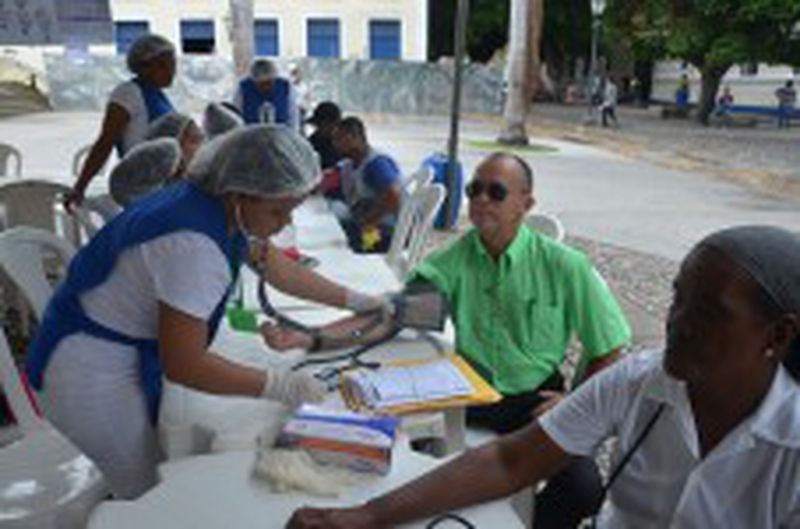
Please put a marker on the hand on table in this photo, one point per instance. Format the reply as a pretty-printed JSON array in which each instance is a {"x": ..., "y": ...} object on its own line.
[
  {"x": 310, "y": 518},
  {"x": 280, "y": 338},
  {"x": 292, "y": 388}
]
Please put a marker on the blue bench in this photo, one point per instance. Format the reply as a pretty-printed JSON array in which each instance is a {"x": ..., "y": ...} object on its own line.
[{"x": 762, "y": 111}]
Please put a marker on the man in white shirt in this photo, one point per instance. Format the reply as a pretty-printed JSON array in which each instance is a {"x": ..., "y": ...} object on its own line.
[{"x": 709, "y": 434}]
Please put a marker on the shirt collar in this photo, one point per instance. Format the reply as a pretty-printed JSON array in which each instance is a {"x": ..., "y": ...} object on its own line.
[
  {"x": 515, "y": 251},
  {"x": 777, "y": 419}
]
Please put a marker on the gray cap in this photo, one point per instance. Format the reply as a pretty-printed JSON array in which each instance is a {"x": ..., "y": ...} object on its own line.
[
  {"x": 170, "y": 125},
  {"x": 258, "y": 160},
  {"x": 217, "y": 119},
  {"x": 263, "y": 69},
  {"x": 144, "y": 169},
  {"x": 147, "y": 48}
]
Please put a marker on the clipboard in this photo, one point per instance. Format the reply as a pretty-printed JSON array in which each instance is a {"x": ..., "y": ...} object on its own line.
[{"x": 482, "y": 394}]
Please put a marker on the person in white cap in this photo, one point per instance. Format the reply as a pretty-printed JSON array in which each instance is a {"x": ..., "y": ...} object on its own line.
[
  {"x": 143, "y": 300},
  {"x": 132, "y": 105},
  {"x": 266, "y": 97}
]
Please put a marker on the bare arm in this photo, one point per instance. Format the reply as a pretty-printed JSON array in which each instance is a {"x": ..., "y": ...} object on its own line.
[
  {"x": 492, "y": 471},
  {"x": 598, "y": 364},
  {"x": 186, "y": 360},
  {"x": 114, "y": 122}
]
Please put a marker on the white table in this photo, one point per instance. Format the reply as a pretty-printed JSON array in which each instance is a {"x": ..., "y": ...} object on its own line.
[{"x": 219, "y": 491}]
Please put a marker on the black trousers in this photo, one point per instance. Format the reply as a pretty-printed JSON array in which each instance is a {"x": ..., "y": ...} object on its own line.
[{"x": 571, "y": 495}]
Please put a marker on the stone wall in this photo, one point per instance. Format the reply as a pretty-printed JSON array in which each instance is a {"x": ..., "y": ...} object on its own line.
[{"x": 83, "y": 83}]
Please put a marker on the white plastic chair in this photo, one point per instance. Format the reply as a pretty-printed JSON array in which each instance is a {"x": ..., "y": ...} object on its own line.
[
  {"x": 546, "y": 224},
  {"x": 23, "y": 254},
  {"x": 45, "y": 482},
  {"x": 7, "y": 153},
  {"x": 37, "y": 203},
  {"x": 412, "y": 228},
  {"x": 419, "y": 178},
  {"x": 94, "y": 212}
]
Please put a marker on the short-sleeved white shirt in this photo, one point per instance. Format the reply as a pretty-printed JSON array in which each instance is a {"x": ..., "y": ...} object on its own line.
[
  {"x": 185, "y": 269},
  {"x": 751, "y": 479},
  {"x": 128, "y": 95}
]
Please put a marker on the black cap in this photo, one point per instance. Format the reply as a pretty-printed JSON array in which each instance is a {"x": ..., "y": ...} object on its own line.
[{"x": 325, "y": 112}]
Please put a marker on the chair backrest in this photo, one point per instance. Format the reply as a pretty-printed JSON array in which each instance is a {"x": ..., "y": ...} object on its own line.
[
  {"x": 23, "y": 251},
  {"x": 412, "y": 229},
  {"x": 33, "y": 203},
  {"x": 14, "y": 389},
  {"x": 419, "y": 178},
  {"x": 7, "y": 154},
  {"x": 94, "y": 212},
  {"x": 546, "y": 224}
]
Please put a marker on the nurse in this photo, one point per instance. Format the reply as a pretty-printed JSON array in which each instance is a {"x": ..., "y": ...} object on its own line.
[
  {"x": 132, "y": 106},
  {"x": 144, "y": 299}
]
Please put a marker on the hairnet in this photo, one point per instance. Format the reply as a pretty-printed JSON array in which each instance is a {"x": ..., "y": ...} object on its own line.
[
  {"x": 217, "y": 119},
  {"x": 263, "y": 69},
  {"x": 144, "y": 169},
  {"x": 259, "y": 160},
  {"x": 770, "y": 256},
  {"x": 170, "y": 125},
  {"x": 147, "y": 48}
]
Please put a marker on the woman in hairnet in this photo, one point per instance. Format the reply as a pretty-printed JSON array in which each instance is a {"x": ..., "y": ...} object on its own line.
[
  {"x": 147, "y": 168},
  {"x": 184, "y": 129},
  {"x": 145, "y": 297},
  {"x": 132, "y": 105},
  {"x": 219, "y": 119}
]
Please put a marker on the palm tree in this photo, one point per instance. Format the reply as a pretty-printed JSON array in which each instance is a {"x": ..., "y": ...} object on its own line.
[{"x": 523, "y": 66}]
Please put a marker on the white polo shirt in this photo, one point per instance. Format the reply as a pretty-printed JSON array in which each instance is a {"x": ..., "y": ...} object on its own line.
[{"x": 750, "y": 480}]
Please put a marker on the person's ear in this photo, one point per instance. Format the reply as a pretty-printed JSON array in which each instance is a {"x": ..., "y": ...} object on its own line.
[
  {"x": 529, "y": 202},
  {"x": 784, "y": 332}
]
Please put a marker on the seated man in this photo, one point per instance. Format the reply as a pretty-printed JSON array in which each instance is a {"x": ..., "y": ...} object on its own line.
[
  {"x": 266, "y": 97},
  {"x": 516, "y": 299},
  {"x": 369, "y": 196},
  {"x": 708, "y": 432}
]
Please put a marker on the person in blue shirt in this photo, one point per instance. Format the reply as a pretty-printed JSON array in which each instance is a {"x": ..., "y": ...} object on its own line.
[
  {"x": 266, "y": 97},
  {"x": 132, "y": 106},
  {"x": 368, "y": 200}
]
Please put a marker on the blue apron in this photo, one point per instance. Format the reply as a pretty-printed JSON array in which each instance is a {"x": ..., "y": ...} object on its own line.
[
  {"x": 155, "y": 101},
  {"x": 182, "y": 206},
  {"x": 253, "y": 100}
]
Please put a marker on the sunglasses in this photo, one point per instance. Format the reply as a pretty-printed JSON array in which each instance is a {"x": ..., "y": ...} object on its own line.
[{"x": 496, "y": 191}]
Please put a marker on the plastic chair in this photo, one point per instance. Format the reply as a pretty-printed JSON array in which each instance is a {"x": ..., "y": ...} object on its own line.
[
  {"x": 419, "y": 178},
  {"x": 37, "y": 203},
  {"x": 24, "y": 252},
  {"x": 7, "y": 152},
  {"x": 44, "y": 480},
  {"x": 412, "y": 229},
  {"x": 546, "y": 224},
  {"x": 95, "y": 212}
]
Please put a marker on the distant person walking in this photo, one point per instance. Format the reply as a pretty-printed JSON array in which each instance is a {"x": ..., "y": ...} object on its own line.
[
  {"x": 608, "y": 108},
  {"x": 682, "y": 93},
  {"x": 724, "y": 104},
  {"x": 787, "y": 97}
]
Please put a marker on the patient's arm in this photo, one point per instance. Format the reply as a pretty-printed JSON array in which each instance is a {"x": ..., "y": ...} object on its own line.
[{"x": 341, "y": 333}]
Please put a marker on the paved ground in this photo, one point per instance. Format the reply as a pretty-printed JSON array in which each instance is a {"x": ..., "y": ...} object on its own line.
[{"x": 635, "y": 199}]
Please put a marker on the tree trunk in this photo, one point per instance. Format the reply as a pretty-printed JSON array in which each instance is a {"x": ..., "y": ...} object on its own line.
[
  {"x": 241, "y": 35},
  {"x": 709, "y": 85},
  {"x": 523, "y": 66}
]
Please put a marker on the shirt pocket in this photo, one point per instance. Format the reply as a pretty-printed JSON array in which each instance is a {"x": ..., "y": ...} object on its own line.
[{"x": 545, "y": 328}]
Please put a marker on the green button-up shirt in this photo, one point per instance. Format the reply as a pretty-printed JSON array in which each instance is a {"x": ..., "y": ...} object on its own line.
[{"x": 514, "y": 316}]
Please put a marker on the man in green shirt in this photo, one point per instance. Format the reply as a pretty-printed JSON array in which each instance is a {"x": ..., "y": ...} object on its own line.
[{"x": 516, "y": 298}]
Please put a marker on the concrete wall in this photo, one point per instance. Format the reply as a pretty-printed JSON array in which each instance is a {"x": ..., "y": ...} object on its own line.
[
  {"x": 83, "y": 83},
  {"x": 758, "y": 89}
]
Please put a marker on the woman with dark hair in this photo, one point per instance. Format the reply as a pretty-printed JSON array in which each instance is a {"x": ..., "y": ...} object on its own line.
[{"x": 709, "y": 431}]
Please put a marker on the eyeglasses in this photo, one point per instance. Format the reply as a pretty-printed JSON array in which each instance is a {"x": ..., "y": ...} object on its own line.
[{"x": 496, "y": 191}]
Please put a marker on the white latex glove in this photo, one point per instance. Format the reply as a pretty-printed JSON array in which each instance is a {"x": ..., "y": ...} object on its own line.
[
  {"x": 292, "y": 387},
  {"x": 359, "y": 302}
]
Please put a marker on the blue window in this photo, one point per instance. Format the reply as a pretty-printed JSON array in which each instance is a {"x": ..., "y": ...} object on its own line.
[
  {"x": 126, "y": 32},
  {"x": 197, "y": 36},
  {"x": 384, "y": 39},
  {"x": 323, "y": 37},
  {"x": 266, "y": 37}
]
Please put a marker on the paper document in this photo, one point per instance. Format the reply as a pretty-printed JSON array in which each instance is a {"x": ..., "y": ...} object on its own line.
[{"x": 392, "y": 386}]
